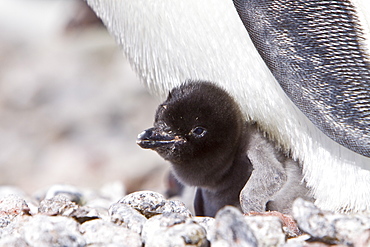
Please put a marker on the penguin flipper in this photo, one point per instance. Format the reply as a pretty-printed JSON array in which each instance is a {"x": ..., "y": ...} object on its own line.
[
  {"x": 317, "y": 53},
  {"x": 267, "y": 178}
]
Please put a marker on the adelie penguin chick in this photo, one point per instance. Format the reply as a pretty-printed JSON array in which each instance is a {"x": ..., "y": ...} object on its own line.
[{"x": 201, "y": 131}]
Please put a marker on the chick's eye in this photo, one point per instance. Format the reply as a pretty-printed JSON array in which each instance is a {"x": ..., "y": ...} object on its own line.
[{"x": 198, "y": 131}]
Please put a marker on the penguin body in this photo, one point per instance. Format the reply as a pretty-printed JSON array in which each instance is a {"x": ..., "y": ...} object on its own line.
[{"x": 210, "y": 42}]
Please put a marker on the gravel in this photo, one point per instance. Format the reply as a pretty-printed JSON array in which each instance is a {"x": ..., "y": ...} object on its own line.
[{"x": 147, "y": 218}]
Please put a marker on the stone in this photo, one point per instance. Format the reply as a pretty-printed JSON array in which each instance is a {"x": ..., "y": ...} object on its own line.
[
  {"x": 43, "y": 230},
  {"x": 173, "y": 229},
  {"x": 151, "y": 203},
  {"x": 176, "y": 206},
  {"x": 147, "y": 203},
  {"x": 206, "y": 222},
  {"x": 14, "y": 241},
  {"x": 124, "y": 215},
  {"x": 267, "y": 230},
  {"x": 13, "y": 205},
  {"x": 11, "y": 225},
  {"x": 83, "y": 214},
  {"x": 69, "y": 191},
  {"x": 328, "y": 227},
  {"x": 61, "y": 205},
  {"x": 289, "y": 226},
  {"x": 102, "y": 233},
  {"x": 299, "y": 241},
  {"x": 231, "y": 229},
  {"x": 58, "y": 205},
  {"x": 363, "y": 239}
]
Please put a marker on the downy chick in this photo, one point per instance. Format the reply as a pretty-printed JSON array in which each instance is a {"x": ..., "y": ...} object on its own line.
[{"x": 202, "y": 132}]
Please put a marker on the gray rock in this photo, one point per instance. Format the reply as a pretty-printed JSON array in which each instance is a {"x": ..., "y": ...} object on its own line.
[
  {"x": 11, "y": 206},
  {"x": 14, "y": 196},
  {"x": 299, "y": 241},
  {"x": 231, "y": 229},
  {"x": 173, "y": 229},
  {"x": 58, "y": 205},
  {"x": 103, "y": 233},
  {"x": 32, "y": 204},
  {"x": 151, "y": 203},
  {"x": 147, "y": 203},
  {"x": 124, "y": 215},
  {"x": 267, "y": 229},
  {"x": 69, "y": 191},
  {"x": 61, "y": 205},
  {"x": 5, "y": 220},
  {"x": 83, "y": 214},
  {"x": 176, "y": 207},
  {"x": 12, "y": 225},
  {"x": 206, "y": 222},
  {"x": 42, "y": 230},
  {"x": 289, "y": 226},
  {"x": 363, "y": 240},
  {"x": 328, "y": 227},
  {"x": 14, "y": 241}
]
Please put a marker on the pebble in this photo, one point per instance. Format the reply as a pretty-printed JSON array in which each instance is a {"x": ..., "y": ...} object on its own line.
[
  {"x": 58, "y": 205},
  {"x": 151, "y": 203},
  {"x": 71, "y": 192},
  {"x": 100, "y": 232},
  {"x": 329, "y": 227},
  {"x": 124, "y": 215},
  {"x": 173, "y": 229},
  {"x": 207, "y": 223},
  {"x": 43, "y": 230},
  {"x": 147, "y": 219},
  {"x": 13, "y": 205},
  {"x": 267, "y": 230},
  {"x": 231, "y": 229}
]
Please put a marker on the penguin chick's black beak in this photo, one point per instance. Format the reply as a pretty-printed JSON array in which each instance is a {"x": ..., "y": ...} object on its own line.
[{"x": 153, "y": 138}]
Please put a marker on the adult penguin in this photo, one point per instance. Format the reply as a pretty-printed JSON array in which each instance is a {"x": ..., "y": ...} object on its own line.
[{"x": 169, "y": 42}]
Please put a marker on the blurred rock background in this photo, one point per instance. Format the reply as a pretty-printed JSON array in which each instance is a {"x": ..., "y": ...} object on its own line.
[{"x": 70, "y": 105}]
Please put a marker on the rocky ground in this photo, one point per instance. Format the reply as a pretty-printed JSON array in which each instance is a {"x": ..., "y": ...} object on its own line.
[{"x": 67, "y": 216}]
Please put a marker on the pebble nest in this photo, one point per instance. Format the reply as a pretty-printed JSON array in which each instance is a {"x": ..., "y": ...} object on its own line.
[{"x": 64, "y": 215}]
